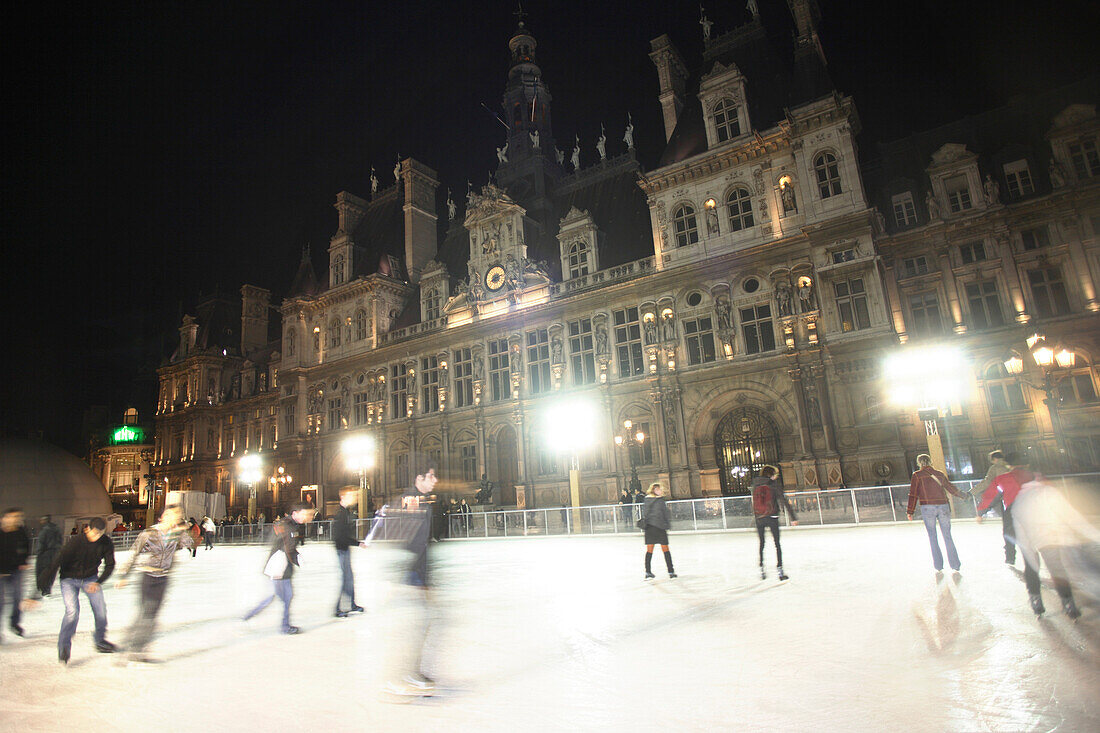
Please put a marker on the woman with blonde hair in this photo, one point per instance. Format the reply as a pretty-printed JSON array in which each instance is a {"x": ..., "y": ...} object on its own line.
[{"x": 657, "y": 520}]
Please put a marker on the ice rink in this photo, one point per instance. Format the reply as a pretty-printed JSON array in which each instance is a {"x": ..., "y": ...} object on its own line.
[{"x": 563, "y": 634}]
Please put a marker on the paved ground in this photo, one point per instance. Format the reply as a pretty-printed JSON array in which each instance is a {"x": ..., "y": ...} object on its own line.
[{"x": 563, "y": 634}]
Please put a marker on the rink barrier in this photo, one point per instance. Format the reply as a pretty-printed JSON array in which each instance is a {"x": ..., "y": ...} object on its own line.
[{"x": 840, "y": 507}]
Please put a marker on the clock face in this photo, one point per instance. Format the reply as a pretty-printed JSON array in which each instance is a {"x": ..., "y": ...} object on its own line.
[{"x": 494, "y": 278}]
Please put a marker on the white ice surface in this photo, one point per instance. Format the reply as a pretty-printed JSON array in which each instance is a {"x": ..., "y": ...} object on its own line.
[{"x": 563, "y": 634}]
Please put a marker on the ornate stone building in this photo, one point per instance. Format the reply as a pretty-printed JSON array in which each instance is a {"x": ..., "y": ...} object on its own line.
[{"x": 734, "y": 302}]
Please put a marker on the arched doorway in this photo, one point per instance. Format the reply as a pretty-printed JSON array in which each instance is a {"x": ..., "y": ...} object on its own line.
[
  {"x": 505, "y": 478},
  {"x": 745, "y": 439}
]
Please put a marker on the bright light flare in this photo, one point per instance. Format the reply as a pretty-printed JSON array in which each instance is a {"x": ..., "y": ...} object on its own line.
[
  {"x": 248, "y": 468},
  {"x": 570, "y": 425},
  {"x": 358, "y": 451},
  {"x": 926, "y": 376}
]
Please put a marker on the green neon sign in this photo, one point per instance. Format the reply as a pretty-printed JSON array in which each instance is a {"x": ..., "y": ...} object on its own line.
[{"x": 127, "y": 434}]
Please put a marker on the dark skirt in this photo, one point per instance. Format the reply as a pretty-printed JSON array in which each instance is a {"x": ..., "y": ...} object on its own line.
[{"x": 655, "y": 535}]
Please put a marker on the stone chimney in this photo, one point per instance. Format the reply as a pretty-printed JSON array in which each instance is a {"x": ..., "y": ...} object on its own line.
[
  {"x": 189, "y": 333},
  {"x": 421, "y": 184},
  {"x": 671, "y": 77},
  {"x": 254, "y": 305}
]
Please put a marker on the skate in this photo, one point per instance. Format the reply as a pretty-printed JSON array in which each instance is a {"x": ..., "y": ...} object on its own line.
[
  {"x": 1071, "y": 609},
  {"x": 782, "y": 575},
  {"x": 1036, "y": 603},
  {"x": 672, "y": 573},
  {"x": 763, "y": 573},
  {"x": 407, "y": 690},
  {"x": 649, "y": 575}
]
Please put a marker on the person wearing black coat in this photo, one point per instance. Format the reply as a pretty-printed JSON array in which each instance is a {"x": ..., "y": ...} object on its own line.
[
  {"x": 658, "y": 520},
  {"x": 344, "y": 537},
  {"x": 49, "y": 544},
  {"x": 15, "y": 547},
  {"x": 286, "y": 536}
]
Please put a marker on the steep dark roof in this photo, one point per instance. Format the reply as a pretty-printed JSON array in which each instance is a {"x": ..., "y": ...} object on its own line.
[
  {"x": 381, "y": 234},
  {"x": 219, "y": 322},
  {"x": 305, "y": 280}
]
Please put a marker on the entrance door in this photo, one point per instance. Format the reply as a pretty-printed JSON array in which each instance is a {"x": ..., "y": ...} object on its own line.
[
  {"x": 506, "y": 473},
  {"x": 745, "y": 440}
]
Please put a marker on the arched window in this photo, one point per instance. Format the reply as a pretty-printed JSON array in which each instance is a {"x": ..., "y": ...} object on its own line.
[
  {"x": 687, "y": 229},
  {"x": 828, "y": 174},
  {"x": 431, "y": 305},
  {"x": 739, "y": 206},
  {"x": 578, "y": 259},
  {"x": 1002, "y": 392},
  {"x": 290, "y": 345},
  {"x": 726, "y": 123},
  {"x": 337, "y": 269},
  {"x": 360, "y": 324},
  {"x": 334, "y": 333}
]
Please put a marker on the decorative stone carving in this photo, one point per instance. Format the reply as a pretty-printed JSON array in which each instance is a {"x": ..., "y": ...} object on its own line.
[
  {"x": 601, "y": 144},
  {"x": 535, "y": 144},
  {"x": 628, "y": 136},
  {"x": 1057, "y": 174},
  {"x": 992, "y": 191},
  {"x": 783, "y": 298}
]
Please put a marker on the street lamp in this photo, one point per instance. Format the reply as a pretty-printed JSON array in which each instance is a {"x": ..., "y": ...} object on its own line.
[
  {"x": 1054, "y": 363},
  {"x": 927, "y": 379},
  {"x": 278, "y": 482},
  {"x": 631, "y": 439},
  {"x": 248, "y": 472},
  {"x": 570, "y": 426},
  {"x": 358, "y": 451}
]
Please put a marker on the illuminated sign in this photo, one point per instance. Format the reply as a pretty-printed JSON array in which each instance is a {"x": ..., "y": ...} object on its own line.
[{"x": 127, "y": 434}]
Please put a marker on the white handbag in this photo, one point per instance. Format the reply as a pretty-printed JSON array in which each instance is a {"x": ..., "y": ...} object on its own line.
[{"x": 276, "y": 565}]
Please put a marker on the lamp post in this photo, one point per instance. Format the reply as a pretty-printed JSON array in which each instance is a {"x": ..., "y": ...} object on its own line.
[
  {"x": 570, "y": 426},
  {"x": 1054, "y": 363},
  {"x": 278, "y": 482},
  {"x": 248, "y": 472},
  {"x": 359, "y": 453},
  {"x": 631, "y": 439},
  {"x": 927, "y": 379}
]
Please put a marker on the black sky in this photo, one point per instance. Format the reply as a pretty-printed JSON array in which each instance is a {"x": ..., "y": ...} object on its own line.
[{"x": 159, "y": 149}]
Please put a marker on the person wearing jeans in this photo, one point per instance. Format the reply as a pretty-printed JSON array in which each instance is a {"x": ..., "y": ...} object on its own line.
[
  {"x": 343, "y": 536},
  {"x": 79, "y": 563},
  {"x": 929, "y": 488},
  {"x": 287, "y": 536}
]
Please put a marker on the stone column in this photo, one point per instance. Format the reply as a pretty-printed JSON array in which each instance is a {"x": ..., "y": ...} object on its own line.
[{"x": 951, "y": 288}]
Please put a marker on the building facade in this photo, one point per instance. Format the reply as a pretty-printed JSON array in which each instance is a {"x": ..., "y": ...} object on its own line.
[{"x": 734, "y": 303}]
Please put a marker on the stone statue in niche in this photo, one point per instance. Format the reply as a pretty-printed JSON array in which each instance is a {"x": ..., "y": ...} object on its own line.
[
  {"x": 712, "y": 221},
  {"x": 650, "y": 326},
  {"x": 783, "y": 298},
  {"x": 668, "y": 328},
  {"x": 806, "y": 294},
  {"x": 1057, "y": 174},
  {"x": 722, "y": 314},
  {"x": 628, "y": 136},
  {"x": 479, "y": 367},
  {"x": 992, "y": 191},
  {"x": 556, "y": 350},
  {"x": 601, "y": 339},
  {"x": 786, "y": 193},
  {"x": 933, "y": 204}
]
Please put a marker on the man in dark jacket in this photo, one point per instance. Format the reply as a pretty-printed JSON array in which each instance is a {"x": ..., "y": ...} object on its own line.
[
  {"x": 15, "y": 548},
  {"x": 286, "y": 536},
  {"x": 767, "y": 496},
  {"x": 929, "y": 488},
  {"x": 49, "y": 544},
  {"x": 344, "y": 537},
  {"x": 79, "y": 562}
]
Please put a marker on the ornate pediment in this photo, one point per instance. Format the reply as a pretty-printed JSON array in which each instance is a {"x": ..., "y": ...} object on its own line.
[
  {"x": 950, "y": 153},
  {"x": 490, "y": 203},
  {"x": 1074, "y": 115}
]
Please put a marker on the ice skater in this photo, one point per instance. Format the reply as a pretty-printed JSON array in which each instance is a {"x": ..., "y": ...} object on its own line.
[
  {"x": 929, "y": 487},
  {"x": 280, "y": 568},
  {"x": 15, "y": 548},
  {"x": 152, "y": 553},
  {"x": 1046, "y": 526},
  {"x": 49, "y": 544},
  {"x": 657, "y": 521},
  {"x": 767, "y": 495},
  {"x": 208, "y": 530},
  {"x": 998, "y": 466},
  {"x": 344, "y": 537},
  {"x": 79, "y": 562}
]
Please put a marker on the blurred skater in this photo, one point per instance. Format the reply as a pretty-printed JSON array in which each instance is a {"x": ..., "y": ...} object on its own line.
[
  {"x": 767, "y": 495},
  {"x": 1046, "y": 525},
  {"x": 153, "y": 552},
  {"x": 929, "y": 488},
  {"x": 79, "y": 562},
  {"x": 344, "y": 537},
  {"x": 15, "y": 548},
  {"x": 658, "y": 520},
  {"x": 998, "y": 466},
  {"x": 49, "y": 544},
  {"x": 196, "y": 534},
  {"x": 287, "y": 534},
  {"x": 208, "y": 530}
]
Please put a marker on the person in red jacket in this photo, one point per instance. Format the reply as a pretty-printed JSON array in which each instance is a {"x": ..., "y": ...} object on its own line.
[{"x": 929, "y": 488}]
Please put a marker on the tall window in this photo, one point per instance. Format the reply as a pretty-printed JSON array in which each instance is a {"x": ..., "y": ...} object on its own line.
[
  {"x": 972, "y": 252},
  {"x": 687, "y": 229},
  {"x": 913, "y": 266},
  {"x": 469, "y": 462},
  {"x": 851, "y": 304},
  {"x": 828, "y": 174},
  {"x": 291, "y": 342},
  {"x": 335, "y": 416},
  {"x": 1002, "y": 392},
  {"x": 756, "y": 326},
  {"x": 337, "y": 269},
  {"x": 1078, "y": 387},
  {"x": 985, "y": 306},
  {"x": 548, "y": 460},
  {"x": 464, "y": 378},
  {"x": 401, "y": 469},
  {"x": 958, "y": 193},
  {"x": 429, "y": 384},
  {"x": 699, "y": 335},
  {"x": 538, "y": 361},
  {"x": 1049, "y": 292},
  {"x": 924, "y": 311},
  {"x": 1086, "y": 161},
  {"x": 1035, "y": 238},
  {"x": 628, "y": 342},
  {"x": 399, "y": 391},
  {"x": 1018, "y": 177},
  {"x": 739, "y": 206},
  {"x": 431, "y": 305},
  {"x": 582, "y": 351},
  {"x": 578, "y": 259},
  {"x": 334, "y": 338},
  {"x": 905, "y": 212},
  {"x": 499, "y": 386},
  {"x": 360, "y": 403},
  {"x": 726, "y": 124},
  {"x": 643, "y": 454}
]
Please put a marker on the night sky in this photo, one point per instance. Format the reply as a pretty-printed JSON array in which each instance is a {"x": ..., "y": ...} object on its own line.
[{"x": 157, "y": 150}]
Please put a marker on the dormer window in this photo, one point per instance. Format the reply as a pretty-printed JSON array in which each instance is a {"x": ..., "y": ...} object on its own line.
[
  {"x": 828, "y": 174},
  {"x": 739, "y": 206},
  {"x": 431, "y": 305},
  {"x": 578, "y": 259},
  {"x": 337, "y": 269},
  {"x": 1018, "y": 177},
  {"x": 726, "y": 123},
  {"x": 958, "y": 193},
  {"x": 1086, "y": 160},
  {"x": 905, "y": 211},
  {"x": 686, "y": 225}
]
